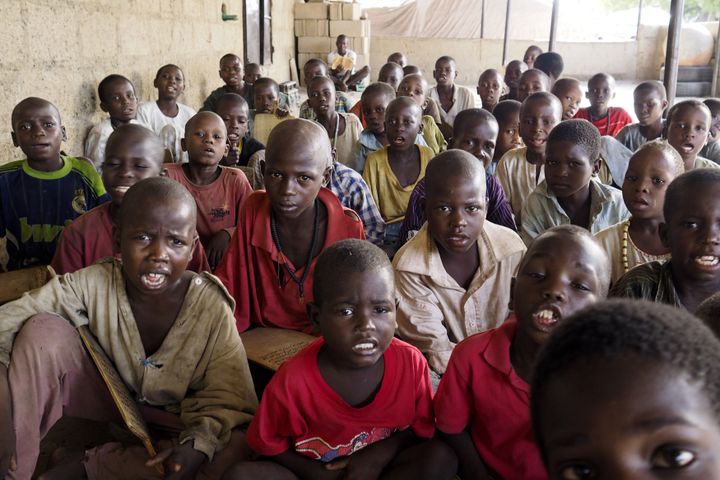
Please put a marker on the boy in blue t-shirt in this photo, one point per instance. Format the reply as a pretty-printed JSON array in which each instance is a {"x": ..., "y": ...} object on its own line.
[{"x": 42, "y": 194}]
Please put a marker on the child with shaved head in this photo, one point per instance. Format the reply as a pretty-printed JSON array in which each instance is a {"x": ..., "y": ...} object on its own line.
[
  {"x": 282, "y": 229},
  {"x": 453, "y": 277},
  {"x": 192, "y": 376}
]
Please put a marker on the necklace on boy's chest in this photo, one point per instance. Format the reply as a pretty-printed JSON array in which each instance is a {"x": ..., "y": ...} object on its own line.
[{"x": 300, "y": 282}]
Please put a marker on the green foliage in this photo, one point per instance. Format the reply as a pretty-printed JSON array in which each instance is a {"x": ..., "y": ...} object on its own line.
[{"x": 698, "y": 10}]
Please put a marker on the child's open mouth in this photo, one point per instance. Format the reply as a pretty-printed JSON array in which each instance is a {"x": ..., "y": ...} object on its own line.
[
  {"x": 687, "y": 147},
  {"x": 707, "y": 260},
  {"x": 365, "y": 347},
  {"x": 546, "y": 317},
  {"x": 153, "y": 280}
]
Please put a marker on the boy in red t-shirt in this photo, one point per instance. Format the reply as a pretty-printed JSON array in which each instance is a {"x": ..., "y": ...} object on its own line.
[
  {"x": 482, "y": 403},
  {"x": 218, "y": 191},
  {"x": 608, "y": 120},
  {"x": 282, "y": 229},
  {"x": 356, "y": 403}
]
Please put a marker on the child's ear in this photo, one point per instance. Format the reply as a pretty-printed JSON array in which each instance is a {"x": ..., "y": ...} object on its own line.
[
  {"x": 155, "y": 83},
  {"x": 14, "y": 139},
  {"x": 511, "y": 303},
  {"x": 663, "y": 233},
  {"x": 420, "y": 130},
  {"x": 103, "y": 107},
  {"x": 64, "y": 133},
  {"x": 423, "y": 204},
  {"x": 587, "y": 95},
  {"x": 183, "y": 145},
  {"x": 262, "y": 166},
  {"x": 163, "y": 172},
  {"x": 664, "y": 104},
  {"x": 425, "y": 104},
  {"x": 596, "y": 166}
]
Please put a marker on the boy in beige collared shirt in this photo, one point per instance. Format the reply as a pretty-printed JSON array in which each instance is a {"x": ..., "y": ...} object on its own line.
[{"x": 453, "y": 278}]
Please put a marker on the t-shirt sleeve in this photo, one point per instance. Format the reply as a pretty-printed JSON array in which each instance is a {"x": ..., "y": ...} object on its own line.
[
  {"x": 276, "y": 422},
  {"x": 454, "y": 399}
]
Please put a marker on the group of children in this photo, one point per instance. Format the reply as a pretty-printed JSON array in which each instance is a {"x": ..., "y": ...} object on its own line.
[{"x": 453, "y": 262}]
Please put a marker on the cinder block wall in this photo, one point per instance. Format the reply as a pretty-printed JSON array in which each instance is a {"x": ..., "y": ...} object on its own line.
[{"x": 61, "y": 49}]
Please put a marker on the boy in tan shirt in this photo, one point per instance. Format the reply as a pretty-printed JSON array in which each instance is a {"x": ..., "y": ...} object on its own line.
[{"x": 453, "y": 278}]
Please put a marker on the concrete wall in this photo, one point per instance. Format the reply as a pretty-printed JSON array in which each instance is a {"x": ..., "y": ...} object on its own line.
[
  {"x": 626, "y": 60},
  {"x": 60, "y": 50}
]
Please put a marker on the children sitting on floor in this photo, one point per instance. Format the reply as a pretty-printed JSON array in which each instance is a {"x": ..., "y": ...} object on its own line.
[
  {"x": 453, "y": 277},
  {"x": 42, "y": 194},
  {"x": 570, "y": 192},
  {"x": 451, "y": 98},
  {"x": 636, "y": 240},
  {"x": 356, "y": 403},
  {"x": 521, "y": 170},
  {"x": 711, "y": 150},
  {"x": 268, "y": 266},
  {"x": 241, "y": 146},
  {"x": 691, "y": 212},
  {"x": 628, "y": 390},
  {"x": 218, "y": 191},
  {"x": 133, "y": 153},
  {"x": 343, "y": 129},
  {"x": 342, "y": 63},
  {"x": 317, "y": 68},
  {"x": 433, "y": 135},
  {"x": 532, "y": 52},
  {"x": 551, "y": 64},
  {"x": 608, "y": 120},
  {"x": 231, "y": 72},
  {"x": 482, "y": 401},
  {"x": 475, "y": 131},
  {"x": 166, "y": 116},
  {"x": 686, "y": 129},
  {"x": 513, "y": 71},
  {"x": 191, "y": 377},
  {"x": 532, "y": 81},
  {"x": 117, "y": 97},
  {"x": 570, "y": 94},
  {"x": 489, "y": 88},
  {"x": 650, "y": 102},
  {"x": 507, "y": 114},
  {"x": 392, "y": 172}
]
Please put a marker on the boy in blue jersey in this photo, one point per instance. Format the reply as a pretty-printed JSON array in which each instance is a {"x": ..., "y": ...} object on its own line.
[{"x": 43, "y": 193}]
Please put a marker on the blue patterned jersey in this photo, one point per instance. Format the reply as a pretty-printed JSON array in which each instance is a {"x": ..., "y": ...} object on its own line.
[{"x": 35, "y": 206}]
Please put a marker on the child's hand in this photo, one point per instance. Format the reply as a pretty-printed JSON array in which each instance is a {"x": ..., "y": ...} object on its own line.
[
  {"x": 281, "y": 112},
  {"x": 216, "y": 248},
  {"x": 357, "y": 467},
  {"x": 181, "y": 462}
]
